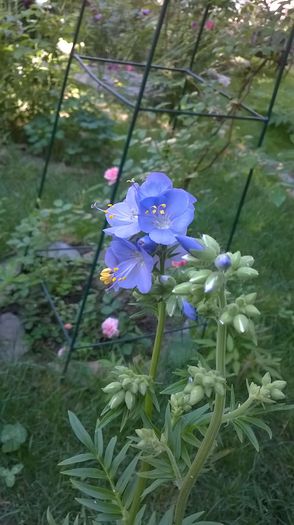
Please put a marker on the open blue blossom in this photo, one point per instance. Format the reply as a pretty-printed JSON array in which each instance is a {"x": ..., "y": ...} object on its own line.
[
  {"x": 166, "y": 216},
  {"x": 189, "y": 311},
  {"x": 123, "y": 216},
  {"x": 128, "y": 266}
]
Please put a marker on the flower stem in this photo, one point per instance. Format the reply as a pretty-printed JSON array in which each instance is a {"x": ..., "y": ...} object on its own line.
[
  {"x": 242, "y": 409},
  {"x": 149, "y": 405},
  {"x": 213, "y": 428}
]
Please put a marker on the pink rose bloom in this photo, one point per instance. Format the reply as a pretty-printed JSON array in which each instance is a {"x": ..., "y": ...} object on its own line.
[
  {"x": 111, "y": 175},
  {"x": 110, "y": 327},
  {"x": 178, "y": 264},
  {"x": 209, "y": 24},
  {"x": 67, "y": 326}
]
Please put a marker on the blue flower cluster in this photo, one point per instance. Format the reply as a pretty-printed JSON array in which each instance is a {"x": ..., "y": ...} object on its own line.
[{"x": 158, "y": 211}]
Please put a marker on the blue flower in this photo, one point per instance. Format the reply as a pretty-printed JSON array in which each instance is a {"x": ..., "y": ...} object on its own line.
[
  {"x": 189, "y": 311},
  {"x": 166, "y": 215},
  {"x": 223, "y": 261},
  {"x": 123, "y": 216},
  {"x": 155, "y": 184},
  {"x": 189, "y": 243},
  {"x": 128, "y": 266}
]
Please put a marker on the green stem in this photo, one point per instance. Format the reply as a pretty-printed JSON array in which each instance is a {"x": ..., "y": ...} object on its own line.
[
  {"x": 242, "y": 409},
  {"x": 213, "y": 428},
  {"x": 149, "y": 405}
]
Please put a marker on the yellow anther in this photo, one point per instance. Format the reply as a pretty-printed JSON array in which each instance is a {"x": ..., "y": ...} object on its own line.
[
  {"x": 106, "y": 276},
  {"x": 154, "y": 211},
  {"x": 113, "y": 279},
  {"x": 163, "y": 205},
  {"x": 109, "y": 205},
  {"x": 105, "y": 271},
  {"x": 146, "y": 212},
  {"x": 110, "y": 216},
  {"x": 162, "y": 212},
  {"x": 116, "y": 269}
]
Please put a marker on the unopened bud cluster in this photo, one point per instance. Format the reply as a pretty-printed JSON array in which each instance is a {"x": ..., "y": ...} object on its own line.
[
  {"x": 238, "y": 314},
  {"x": 201, "y": 383},
  {"x": 128, "y": 387},
  {"x": 206, "y": 281},
  {"x": 149, "y": 442},
  {"x": 269, "y": 391}
]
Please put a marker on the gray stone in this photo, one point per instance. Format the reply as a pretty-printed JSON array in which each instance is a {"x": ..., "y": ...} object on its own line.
[
  {"x": 12, "y": 344},
  {"x": 59, "y": 249}
]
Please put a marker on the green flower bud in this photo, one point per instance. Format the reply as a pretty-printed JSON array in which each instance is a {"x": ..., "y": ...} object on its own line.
[
  {"x": 211, "y": 243},
  {"x": 134, "y": 387},
  {"x": 142, "y": 388},
  {"x": 112, "y": 388},
  {"x": 130, "y": 400},
  {"x": 182, "y": 289},
  {"x": 240, "y": 323},
  {"x": 279, "y": 383},
  {"x": 251, "y": 310},
  {"x": 117, "y": 400},
  {"x": 226, "y": 318},
  {"x": 213, "y": 282},
  {"x": 276, "y": 394},
  {"x": 208, "y": 381},
  {"x": 127, "y": 382},
  {"x": 235, "y": 258},
  {"x": 266, "y": 380},
  {"x": 246, "y": 260},
  {"x": 250, "y": 298},
  {"x": 200, "y": 277},
  {"x": 196, "y": 395},
  {"x": 232, "y": 309},
  {"x": 245, "y": 273}
]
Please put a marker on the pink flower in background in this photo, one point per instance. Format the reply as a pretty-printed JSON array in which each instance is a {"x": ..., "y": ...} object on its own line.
[
  {"x": 129, "y": 67},
  {"x": 209, "y": 24},
  {"x": 178, "y": 264},
  {"x": 97, "y": 17},
  {"x": 110, "y": 327},
  {"x": 111, "y": 175},
  {"x": 67, "y": 326}
]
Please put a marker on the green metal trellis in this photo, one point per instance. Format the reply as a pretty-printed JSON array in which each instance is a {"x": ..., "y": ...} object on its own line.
[{"x": 137, "y": 107}]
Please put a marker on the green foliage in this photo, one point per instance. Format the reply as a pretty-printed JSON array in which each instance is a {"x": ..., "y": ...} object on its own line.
[{"x": 12, "y": 437}]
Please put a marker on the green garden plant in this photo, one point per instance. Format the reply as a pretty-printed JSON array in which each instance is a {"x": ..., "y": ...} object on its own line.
[{"x": 168, "y": 432}]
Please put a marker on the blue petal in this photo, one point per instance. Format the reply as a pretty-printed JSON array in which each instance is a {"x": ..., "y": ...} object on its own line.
[
  {"x": 156, "y": 183},
  {"x": 165, "y": 237},
  {"x": 189, "y": 243},
  {"x": 189, "y": 311},
  {"x": 148, "y": 245}
]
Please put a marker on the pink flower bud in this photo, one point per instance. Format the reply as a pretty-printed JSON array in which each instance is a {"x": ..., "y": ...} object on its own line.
[
  {"x": 67, "y": 326},
  {"x": 111, "y": 175},
  {"x": 209, "y": 24},
  {"x": 178, "y": 264},
  {"x": 110, "y": 327}
]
